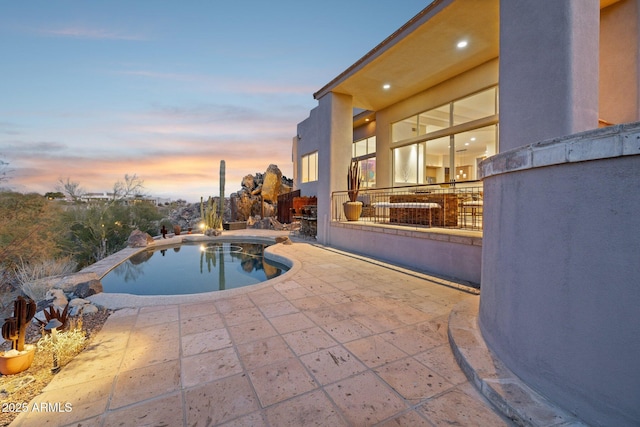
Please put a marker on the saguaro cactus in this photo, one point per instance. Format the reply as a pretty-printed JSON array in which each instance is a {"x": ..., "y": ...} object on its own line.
[
  {"x": 15, "y": 328},
  {"x": 222, "y": 177},
  {"x": 202, "y": 217}
]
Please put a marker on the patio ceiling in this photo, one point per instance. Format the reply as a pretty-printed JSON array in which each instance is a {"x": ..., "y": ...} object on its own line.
[{"x": 422, "y": 53}]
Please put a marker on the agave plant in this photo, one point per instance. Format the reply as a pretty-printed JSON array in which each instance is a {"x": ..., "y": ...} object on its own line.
[{"x": 54, "y": 313}]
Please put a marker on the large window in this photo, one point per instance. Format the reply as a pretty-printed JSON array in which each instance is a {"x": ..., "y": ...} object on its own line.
[
  {"x": 310, "y": 167},
  {"x": 446, "y": 143},
  {"x": 364, "y": 152}
]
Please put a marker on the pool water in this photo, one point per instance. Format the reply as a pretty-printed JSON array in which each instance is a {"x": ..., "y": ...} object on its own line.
[{"x": 192, "y": 269}]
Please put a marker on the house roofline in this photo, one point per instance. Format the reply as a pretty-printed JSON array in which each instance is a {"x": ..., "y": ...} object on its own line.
[{"x": 381, "y": 47}]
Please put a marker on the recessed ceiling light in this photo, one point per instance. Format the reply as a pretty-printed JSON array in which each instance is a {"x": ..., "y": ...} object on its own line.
[
  {"x": 473, "y": 139},
  {"x": 386, "y": 86},
  {"x": 462, "y": 44},
  {"x": 466, "y": 143}
]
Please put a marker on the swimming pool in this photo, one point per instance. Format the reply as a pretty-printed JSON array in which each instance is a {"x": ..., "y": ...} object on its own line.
[{"x": 191, "y": 268}]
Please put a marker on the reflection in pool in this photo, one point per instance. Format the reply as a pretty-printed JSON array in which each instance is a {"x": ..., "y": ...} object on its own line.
[{"x": 192, "y": 269}]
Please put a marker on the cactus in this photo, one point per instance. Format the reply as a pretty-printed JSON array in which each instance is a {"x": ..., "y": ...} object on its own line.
[
  {"x": 15, "y": 328},
  {"x": 222, "y": 178},
  {"x": 204, "y": 221},
  {"x": 353, "y": 181},
  {"x": 209, "y": 213}
]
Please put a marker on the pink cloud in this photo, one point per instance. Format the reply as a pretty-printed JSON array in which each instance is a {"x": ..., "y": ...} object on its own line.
[
  {"x": 186, "y": 175},
  {"x": 227, "y": 85},
  {"x": 91, "y": 33}
]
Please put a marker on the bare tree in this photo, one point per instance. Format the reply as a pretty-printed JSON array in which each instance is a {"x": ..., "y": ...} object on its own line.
[
  {"x": 4, "y": 171},
  {"x": 70, "y": 188},
  {"x": 131, "y": 186}
]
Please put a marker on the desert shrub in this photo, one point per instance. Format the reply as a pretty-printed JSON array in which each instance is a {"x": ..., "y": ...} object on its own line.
[
  {"x": 30, "y": 228},
  {"x": 66, "y": 346},
  {"x": 34, "y": 278}
]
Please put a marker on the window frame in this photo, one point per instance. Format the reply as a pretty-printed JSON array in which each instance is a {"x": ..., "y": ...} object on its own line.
[
  {"x": 451, "y": 132},
  {"x": 306, "y": 176},
  {"x": 369, "y": 155}
]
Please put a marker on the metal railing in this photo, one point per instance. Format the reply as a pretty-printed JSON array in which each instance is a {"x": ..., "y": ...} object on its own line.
[{"x": 446, "y": 205}]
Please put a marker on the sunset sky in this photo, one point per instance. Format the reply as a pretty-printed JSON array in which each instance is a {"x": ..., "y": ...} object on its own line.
[{"x": 92, "y": 91}]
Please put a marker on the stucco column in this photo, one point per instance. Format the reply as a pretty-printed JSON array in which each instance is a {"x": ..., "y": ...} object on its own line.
[
  {"x": 549, "y": 59},
  {"x": 620, "y": 62},
  {"x": 336, "y": 124}
]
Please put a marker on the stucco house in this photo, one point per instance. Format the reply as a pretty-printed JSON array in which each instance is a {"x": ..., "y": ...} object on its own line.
[{"x": 531, "y": 108}]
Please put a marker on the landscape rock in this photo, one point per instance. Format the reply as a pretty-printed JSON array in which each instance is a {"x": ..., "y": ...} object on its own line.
[
  {"x": 255, "y": 190},
  {"x": 81, "y": 306},
  {"x": 59, "y": 298},
  {"x": 259, "y": 194},
  {"x": 139, "y": 239},
  {"x": 284, "y": 240},
  {"x": 213, "y": 232},
  {"x": 78, "y": 301},
  {"x": 269, "y": 223},
  {"x": 86, "y": 289},
  {"x": 40, "y": 316},
  {"x": 66, "y": 282},
  {"x": 89, "y": 309},
  {"x": 246, "y": 206},
  {"x": 248, "y": 182},
  {"x": 268, "y": 210},
  {"x": 271, "y": 184}
]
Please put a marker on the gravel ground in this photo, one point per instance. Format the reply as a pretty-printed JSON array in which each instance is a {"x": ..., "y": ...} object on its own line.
[{"x": 19, "y": 389}]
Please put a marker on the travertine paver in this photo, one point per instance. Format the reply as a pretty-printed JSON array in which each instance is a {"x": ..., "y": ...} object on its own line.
[
  {"x": 460, "y": 406},
  {"x": 338, "y": 341},
  {"x": 365, "y": 399},
  {"x": 312, "y": 409}
]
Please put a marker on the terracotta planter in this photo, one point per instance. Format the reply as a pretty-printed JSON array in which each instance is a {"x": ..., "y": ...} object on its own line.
[
  {"x": 10, "y": 365},
  {"x": 352, "y": 210}
]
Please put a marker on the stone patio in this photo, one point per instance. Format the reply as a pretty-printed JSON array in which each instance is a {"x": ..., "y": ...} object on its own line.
[{"x": 337, "y": 341}]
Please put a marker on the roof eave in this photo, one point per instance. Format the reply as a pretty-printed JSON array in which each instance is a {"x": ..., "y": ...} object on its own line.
[{"x": 422, "y": 16}]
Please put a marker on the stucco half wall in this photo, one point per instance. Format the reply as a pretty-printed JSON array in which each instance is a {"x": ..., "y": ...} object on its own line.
[
  {"x": 442, "y": 253},
  {"x": 561, "y": 270}
]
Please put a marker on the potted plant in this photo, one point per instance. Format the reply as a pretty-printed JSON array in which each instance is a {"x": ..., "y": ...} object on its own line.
[
  {"x": 353, "y": 208},
  {"x": 20, "y": 357}
]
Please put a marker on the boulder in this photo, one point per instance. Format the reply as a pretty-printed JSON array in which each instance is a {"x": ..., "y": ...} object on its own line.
[
  {"x": 212, "y": 232},
  {"x": 271, "y": 184},
  {"x": 78, "y": 301},
  {"x": 256, "y": 190},
  {"x": 86, "y": 289},
  {"x": 260, "y": 223},
  {"x": 284, "y": 240},
  {"x": 89, "y": 309},
  {"x": 68, "y": 283},
  {"x": 268, "y": 210},
  {"x": 139, "y": 239},
  {"x": 59, "y": 298},
  {"x": 77, "y": 305},
  {"x": 244, "y": 207},
  {"x": 259, "y": 188},
  {"x": 248, "y": 182}
]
